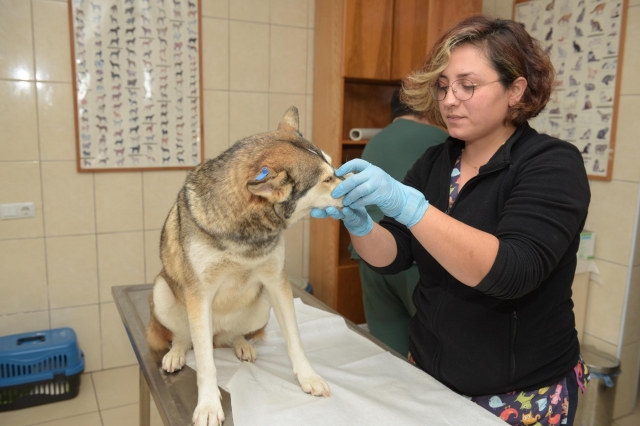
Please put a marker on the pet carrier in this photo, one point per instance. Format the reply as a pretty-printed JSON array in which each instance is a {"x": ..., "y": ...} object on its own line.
[{"x": 38, "y": 368}]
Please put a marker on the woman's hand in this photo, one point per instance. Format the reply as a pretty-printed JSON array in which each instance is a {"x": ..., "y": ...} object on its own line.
[
  {"x": 358, "y": 222},
  {"x": 372, "y": 185}
]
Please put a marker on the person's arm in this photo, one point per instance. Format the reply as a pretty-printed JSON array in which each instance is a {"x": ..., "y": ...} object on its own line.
[
  {"x": 377, "y": 248},
  {"x": 465, "y": 252},
  {"x": 541, "y": 219},
  {"x": 537, "y": 226}
]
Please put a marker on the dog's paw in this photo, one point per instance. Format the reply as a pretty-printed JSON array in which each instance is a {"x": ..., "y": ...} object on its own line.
[
  {"x": 314, "y": 385},
  {"x": 245, "y": 351},
  {"x": 173, "y": 361},
  {"x": 208, "y": 414}
]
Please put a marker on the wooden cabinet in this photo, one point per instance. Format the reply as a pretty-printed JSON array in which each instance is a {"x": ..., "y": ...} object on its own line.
[
  {"x": 410, "y": 36},
  {"x": 363, "y": 48},
  {"x": 387, "y": 39},
  {"x": 417, "y": 26},
  {"x": 368, "y": 27}
]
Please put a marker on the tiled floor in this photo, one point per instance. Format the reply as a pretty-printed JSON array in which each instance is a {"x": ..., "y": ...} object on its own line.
[
  {"x": 106, "y": 398},
  {"x": 632, "y": 419},
  {"x": 110, "y": 398}
]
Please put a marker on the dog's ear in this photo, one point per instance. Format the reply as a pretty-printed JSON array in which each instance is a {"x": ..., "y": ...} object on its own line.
[
  {"x": 290, "y": 122},
  {"x": 273, "y": 188}
]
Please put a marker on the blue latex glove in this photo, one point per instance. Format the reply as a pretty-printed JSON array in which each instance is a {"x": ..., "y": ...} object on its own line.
[
  {"x": 372, "y": 185},
  {"x": 358, "y": 222}
]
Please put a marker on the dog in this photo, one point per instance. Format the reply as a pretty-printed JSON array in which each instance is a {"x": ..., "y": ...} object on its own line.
[{"x": 222, "y": 252}]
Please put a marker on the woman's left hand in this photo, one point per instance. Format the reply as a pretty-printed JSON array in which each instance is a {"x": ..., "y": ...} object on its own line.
[
  {"x": 372, "y": 185},
  {"x": 358, "y": 222}
]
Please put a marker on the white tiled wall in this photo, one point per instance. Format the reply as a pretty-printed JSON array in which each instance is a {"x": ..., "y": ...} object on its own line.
[{"x": 95, "y": 231}]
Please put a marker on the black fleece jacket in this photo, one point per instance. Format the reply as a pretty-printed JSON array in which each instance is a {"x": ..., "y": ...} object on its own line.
[{"x": 516, "y": 329}]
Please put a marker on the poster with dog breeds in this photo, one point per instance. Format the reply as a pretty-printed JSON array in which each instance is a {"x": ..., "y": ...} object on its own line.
[
  {"x": 137, "y": 92},
  {"x": 583, "y": 39}
]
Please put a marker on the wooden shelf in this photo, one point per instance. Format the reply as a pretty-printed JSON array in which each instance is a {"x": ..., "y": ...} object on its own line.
[{"x": 366, "y": 105}]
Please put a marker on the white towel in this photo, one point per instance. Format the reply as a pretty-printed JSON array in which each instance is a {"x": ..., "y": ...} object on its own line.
[{"x": 368, "y": 385}]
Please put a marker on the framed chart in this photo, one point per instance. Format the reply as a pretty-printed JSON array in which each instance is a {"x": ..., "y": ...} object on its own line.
[
  {"x": 585, "y": 43},
  {"x": 137, "y": 84}
]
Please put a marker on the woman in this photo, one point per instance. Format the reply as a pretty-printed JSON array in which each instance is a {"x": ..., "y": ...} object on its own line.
[{"x": 492, "y": 218}]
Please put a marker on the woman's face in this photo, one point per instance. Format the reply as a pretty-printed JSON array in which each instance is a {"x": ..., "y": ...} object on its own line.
[{"x": 480, "y": 117}]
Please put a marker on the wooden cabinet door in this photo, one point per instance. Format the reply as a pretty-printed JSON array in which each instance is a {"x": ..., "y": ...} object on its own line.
[
  {"x": 411, "y": 21},
  {"x": 418, "y": 25},
  {"x": 367, "y": 41},
  {"x": 444, "y": 14}
]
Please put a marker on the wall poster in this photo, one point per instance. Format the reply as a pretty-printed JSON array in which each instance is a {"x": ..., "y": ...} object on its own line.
[
  {"x": 583, "y": 39},
  {"x": 137, "y": 84}
]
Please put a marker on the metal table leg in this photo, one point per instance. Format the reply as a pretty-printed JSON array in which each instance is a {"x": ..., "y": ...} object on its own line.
[{"x": 145, "y": 402}]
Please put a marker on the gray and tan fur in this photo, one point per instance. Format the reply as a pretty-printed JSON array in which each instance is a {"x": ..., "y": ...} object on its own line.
[{"x": 223, "y": 257}]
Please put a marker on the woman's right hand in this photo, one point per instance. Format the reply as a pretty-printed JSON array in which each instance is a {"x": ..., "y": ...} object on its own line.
[
  {"x": 370, "y": 185},
  {"x": 357, "y": 221}
]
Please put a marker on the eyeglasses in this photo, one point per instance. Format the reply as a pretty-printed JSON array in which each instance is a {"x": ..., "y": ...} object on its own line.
[{"x": 462, "y": 89}]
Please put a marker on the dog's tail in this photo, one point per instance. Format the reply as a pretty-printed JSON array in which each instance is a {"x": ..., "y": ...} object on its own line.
[{"x": 158, "y": 336}]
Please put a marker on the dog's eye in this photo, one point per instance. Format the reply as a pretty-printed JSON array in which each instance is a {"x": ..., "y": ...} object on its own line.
[{"x": 329, "y": 179}]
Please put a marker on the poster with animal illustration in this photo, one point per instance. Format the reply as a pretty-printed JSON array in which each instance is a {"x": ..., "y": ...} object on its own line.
[
  {"x": 583, "y": 39},
  {"x": 137, "y": 84}
]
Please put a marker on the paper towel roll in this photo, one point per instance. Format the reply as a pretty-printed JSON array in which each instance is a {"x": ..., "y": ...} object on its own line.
[{"x": 364, "y": 133}]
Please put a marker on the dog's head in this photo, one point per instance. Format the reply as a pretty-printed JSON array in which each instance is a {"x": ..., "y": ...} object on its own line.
[{"x": 291, "y": 173}]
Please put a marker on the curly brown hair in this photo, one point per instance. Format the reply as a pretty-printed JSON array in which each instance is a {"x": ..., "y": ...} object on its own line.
[{"x": 511, "y": 51}]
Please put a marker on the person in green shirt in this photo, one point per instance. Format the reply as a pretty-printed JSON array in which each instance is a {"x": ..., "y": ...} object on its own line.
[{"x": 387, "y": 299}]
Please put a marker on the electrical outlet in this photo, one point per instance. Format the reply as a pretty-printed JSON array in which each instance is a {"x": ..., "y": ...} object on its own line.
[{"x": 17, "y": 210}]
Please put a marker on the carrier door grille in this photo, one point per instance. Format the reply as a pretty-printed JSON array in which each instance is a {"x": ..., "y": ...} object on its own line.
[{"x": 53, "y": 363}]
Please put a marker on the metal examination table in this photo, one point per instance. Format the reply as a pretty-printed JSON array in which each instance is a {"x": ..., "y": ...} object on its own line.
[{"x": 176, "y": 394}]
